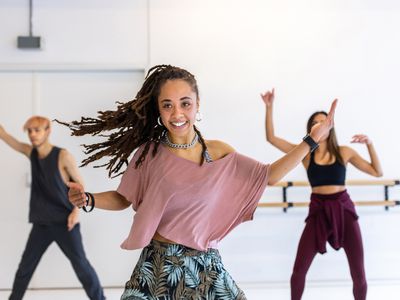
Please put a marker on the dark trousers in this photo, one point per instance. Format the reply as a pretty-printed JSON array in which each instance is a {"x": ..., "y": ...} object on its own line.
[
  {"x": 70, "y": 242},
  {"x": 308, "y": 249}
]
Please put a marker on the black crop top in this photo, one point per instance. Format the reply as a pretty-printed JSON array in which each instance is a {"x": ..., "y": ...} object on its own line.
[{"x": 332, "y": 174}]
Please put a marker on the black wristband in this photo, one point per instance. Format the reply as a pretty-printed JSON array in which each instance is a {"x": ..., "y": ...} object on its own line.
[
  {"x": 91, "y": 197},
  {"x": 310, "y": 142}
]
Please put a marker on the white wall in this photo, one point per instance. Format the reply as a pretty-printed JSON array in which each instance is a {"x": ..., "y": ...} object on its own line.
[
  {"x": 76, "y": 32},
  {"x": 310, "y": 51}
]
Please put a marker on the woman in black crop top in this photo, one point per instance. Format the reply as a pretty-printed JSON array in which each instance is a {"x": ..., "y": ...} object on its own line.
[{"x": 332, "y": 217}]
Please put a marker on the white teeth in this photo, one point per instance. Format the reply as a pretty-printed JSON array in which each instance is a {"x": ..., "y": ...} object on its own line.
[{"x": 178, "y": 123}]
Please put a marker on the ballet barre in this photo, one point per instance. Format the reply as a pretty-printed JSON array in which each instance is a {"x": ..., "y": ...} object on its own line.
[{"x": 285, "y": 204}]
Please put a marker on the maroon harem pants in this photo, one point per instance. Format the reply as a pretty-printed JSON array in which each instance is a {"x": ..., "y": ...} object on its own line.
[{"x": 332, "y": 218}]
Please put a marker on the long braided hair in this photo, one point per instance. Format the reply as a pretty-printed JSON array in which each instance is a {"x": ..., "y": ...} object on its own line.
[{"x": 132, "y": 124}]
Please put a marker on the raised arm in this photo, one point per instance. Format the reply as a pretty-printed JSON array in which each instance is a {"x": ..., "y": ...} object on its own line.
[
  {"x": 288, "y": 162},
  {"x": 372, "y": 167},
  {"x": 110, "y": 200},
  {"x": 283, "y": 145},
  {"x": 14, "y": 143}
]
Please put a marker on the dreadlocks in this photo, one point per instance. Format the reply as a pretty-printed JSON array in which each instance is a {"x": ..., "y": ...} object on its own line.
[{"x": 132, "y": 124}]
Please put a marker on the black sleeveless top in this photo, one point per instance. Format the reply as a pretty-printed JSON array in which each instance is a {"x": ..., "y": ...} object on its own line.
[
  {"x": 49, "y": 194},
  {"x": 332, "y": 174}
]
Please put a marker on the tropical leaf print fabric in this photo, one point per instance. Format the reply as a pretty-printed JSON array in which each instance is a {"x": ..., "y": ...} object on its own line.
[{"x": 174, "y": 272}]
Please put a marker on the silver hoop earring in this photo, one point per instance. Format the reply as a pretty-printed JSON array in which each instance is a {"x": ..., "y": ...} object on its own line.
[
  {"x": 199, "y": 117},
  {"x": 159, "y": 121}
]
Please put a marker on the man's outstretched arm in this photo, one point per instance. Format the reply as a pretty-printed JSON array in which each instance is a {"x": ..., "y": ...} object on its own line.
[{"x": 11, "y": 141}]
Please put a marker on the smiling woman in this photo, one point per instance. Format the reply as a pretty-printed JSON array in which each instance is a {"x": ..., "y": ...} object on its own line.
[
  {"x": 178, "y": 105},
  {"x": 188, "y": 192}
]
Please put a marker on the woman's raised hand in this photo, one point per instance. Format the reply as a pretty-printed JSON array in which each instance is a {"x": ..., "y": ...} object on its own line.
[
  {"x": 320, "y": 130},
  {"x": 361, "y": 138},
  {"x": 268, "y": 97}
]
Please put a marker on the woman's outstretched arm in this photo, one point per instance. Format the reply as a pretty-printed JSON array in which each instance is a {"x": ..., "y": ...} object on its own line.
[
  {"x": 288, "y": 162},
  {"x": 282, "y": 144},
  {"x": 372, "y": 167},
  {"x": 110, "y": 200}
]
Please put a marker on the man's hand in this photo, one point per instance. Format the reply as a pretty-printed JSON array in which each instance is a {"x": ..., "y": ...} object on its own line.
[{"x": 73, "y": 219}]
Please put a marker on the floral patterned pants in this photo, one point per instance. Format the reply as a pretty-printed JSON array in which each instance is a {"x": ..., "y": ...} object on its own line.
[{"x": 174, "y": 272}]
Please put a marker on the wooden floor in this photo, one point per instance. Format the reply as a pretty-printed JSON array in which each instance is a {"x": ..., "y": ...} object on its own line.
[{"x": 314, "y": 291}]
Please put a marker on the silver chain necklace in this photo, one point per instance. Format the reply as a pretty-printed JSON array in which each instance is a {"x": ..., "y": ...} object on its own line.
[{"x": 166, "y": 141}]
